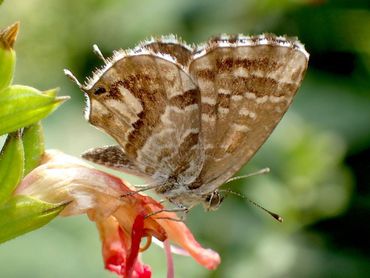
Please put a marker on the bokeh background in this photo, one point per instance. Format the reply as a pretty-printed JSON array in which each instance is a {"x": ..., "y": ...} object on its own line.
[{"x": 319, "y": 155}]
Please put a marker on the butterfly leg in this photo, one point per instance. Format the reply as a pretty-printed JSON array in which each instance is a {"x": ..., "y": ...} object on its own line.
[
  {"x": 142, "y": 188},
  {"x": 184, "y": 211}
]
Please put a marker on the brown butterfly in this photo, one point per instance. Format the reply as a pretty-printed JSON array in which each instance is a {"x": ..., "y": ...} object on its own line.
[{"x": 187, "y": 118}]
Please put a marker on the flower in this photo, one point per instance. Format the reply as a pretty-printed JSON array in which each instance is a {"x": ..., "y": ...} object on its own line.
[{"x": 123, "y": 217}]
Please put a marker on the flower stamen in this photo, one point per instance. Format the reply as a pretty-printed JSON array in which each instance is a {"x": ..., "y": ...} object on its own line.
[{"x": 147, "y": 244}]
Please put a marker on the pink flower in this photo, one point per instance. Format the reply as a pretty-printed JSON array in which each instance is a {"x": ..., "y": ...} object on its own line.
[{"x": 122, "y": 220}]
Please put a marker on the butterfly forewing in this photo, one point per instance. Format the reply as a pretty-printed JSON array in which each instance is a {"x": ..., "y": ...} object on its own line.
[
  {"x": 245, "y": 90},
  {"x": 151, "y": 108}
]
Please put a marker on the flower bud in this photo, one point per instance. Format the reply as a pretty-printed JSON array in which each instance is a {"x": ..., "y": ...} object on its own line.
[
  {"x": 11, "y": 165},
  {"x": 22, "y": 214},
  {"x": 34, "y": 146},
  {"x": 22, "y": 106},
  {"x": 7, "y": 54}
]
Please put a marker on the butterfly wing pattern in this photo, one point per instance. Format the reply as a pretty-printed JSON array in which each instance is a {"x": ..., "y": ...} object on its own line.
[
  {"x": 246, "y": 85},
  {"x": 187, "y": 118}
]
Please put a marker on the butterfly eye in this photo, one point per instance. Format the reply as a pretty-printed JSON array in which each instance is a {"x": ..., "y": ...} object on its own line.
[
  {"x": 213, "y": 200},
  {"x": 99, "y": 91}
]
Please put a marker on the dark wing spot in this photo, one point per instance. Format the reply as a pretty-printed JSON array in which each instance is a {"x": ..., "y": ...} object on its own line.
[{"x": 100, "y": 90}]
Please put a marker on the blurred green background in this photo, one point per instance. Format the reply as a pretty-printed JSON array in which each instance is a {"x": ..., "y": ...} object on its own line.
[{"x": 319, "y": 155}]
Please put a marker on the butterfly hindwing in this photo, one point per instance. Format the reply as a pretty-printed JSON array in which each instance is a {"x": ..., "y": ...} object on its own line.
[
  {"x": 112, "y": 157},
  {"x": 246, "y": 87}
]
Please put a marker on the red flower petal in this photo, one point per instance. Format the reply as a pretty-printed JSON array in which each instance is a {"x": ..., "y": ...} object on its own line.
[
  {"x": 181, "y": 235},
  {"x": 136, "y": 235},
  {"x": 120, "y": 218},
  {"x": 115, "y": 242}
]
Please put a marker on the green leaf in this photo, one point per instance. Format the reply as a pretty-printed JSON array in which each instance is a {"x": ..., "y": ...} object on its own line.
[
  {"x": 22, "y": 214},
  {"x": 7, "y": 54},
  {"x": 11, "y": 165},
  {"x": 34, "y": 146},
  {"x": 22, "y": 106},
  {"x": 50, "y": 93}
]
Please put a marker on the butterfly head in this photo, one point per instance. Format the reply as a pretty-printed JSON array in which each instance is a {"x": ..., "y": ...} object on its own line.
[
  {"x": 188, "y": 199},
  {"x": 213, "y": 200}
]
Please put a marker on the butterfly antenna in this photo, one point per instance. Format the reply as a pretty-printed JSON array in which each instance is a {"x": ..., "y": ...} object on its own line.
[
  {"x": 71, "y": 76},
  {"x": 260, "y": 172},
  {"x": 274, "y": 215},
  {"x": 98, "y": 53}
]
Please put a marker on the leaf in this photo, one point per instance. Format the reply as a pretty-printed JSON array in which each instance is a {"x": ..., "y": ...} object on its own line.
[
  {"x": 7, "y": 54},
  {"x": 11, "y": 165},
  {"x": 22, "y": 106},
  {"x": 22, "y": 214},
  {"x": 34, "y": 146}
]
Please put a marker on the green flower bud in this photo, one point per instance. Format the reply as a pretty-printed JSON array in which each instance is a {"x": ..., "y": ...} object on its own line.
[
  {"x": 34, "y": 146},
  {"x": 22, "y": 214},
  {"x": 22, "y": 106},
  {"x": 7, "y": 54},
  {"x": 11, "y": 165}
]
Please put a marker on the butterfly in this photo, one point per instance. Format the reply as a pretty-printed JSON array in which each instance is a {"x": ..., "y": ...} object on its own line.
[{"x": 187, "y": 118}]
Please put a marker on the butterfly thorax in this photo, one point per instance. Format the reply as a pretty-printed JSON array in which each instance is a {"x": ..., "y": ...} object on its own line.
[{"x": 183, "y": 196}]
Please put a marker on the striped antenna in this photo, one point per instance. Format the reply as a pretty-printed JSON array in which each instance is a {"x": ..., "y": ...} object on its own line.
[
  {"x": 274, "y": 215},
  {"x": 260, "y": 172}
]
